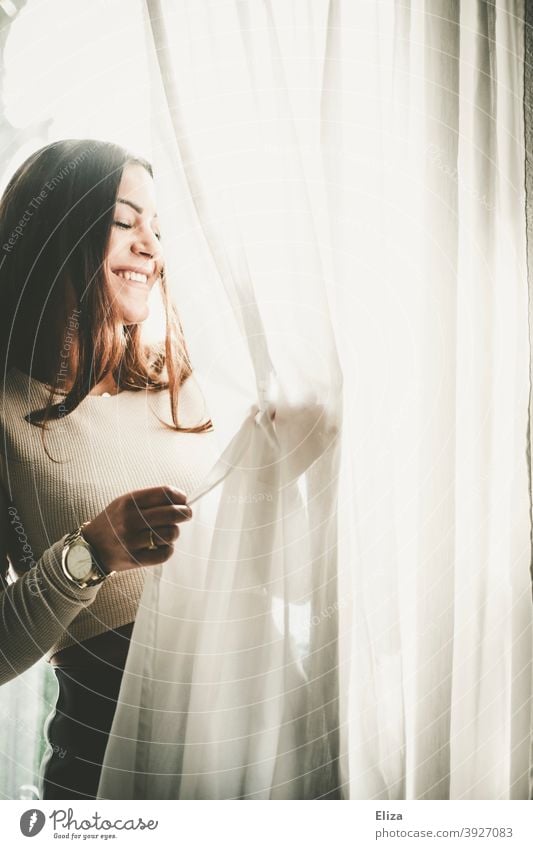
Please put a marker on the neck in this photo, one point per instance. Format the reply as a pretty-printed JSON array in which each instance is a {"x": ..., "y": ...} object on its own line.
[{"x": 108, "y": 384}]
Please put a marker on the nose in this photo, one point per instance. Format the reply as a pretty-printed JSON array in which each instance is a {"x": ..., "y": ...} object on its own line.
[{"x": 147, "y": 245}]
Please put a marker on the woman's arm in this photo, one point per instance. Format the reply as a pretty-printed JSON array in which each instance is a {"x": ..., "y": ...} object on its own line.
[{"x": 36, "y": 609}]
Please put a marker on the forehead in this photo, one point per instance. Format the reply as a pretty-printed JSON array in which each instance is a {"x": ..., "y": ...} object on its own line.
[{"x": 137, "y": 186}]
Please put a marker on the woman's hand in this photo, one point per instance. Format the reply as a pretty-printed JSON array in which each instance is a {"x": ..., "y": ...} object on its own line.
[{"x": 120, "y": 534}]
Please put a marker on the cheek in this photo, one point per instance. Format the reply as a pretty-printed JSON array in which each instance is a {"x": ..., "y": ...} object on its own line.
[
  {"x": 113, "y": 285},
  {"x": 115, "y": 245},
  {"x": 114, "y": 249}
]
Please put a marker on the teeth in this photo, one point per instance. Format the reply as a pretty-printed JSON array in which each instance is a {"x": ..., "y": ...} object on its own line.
[{"x": 132, "y": 275}]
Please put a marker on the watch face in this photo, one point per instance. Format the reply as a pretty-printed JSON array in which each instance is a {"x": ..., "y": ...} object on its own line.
[{"x": 79, "y": 562}]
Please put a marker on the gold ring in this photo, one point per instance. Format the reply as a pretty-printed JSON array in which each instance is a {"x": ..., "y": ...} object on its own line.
[{"x": 152, "y": 542}]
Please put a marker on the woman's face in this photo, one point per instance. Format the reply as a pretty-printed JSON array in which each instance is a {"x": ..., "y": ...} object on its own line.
[{"x": 134, "y": 260}]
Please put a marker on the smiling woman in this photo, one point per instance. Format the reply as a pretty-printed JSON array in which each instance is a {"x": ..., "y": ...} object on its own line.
[{"x": 112, "y": 492}]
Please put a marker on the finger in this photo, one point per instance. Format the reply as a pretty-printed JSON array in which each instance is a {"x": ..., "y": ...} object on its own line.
[
  {"x": 152, "y": 556},
  {"x": 160, "y": 536},
  {"x": 155, "y": 517},
  {"x": 157, "y": 496}
]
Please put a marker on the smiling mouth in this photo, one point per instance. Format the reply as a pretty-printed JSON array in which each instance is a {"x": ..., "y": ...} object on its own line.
[
  {"x": 133, "y": 279},
  {"x": 132, "y": 276}
]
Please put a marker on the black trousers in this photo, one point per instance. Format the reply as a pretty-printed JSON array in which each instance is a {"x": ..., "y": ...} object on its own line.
[{"x": 78, "y": 730}]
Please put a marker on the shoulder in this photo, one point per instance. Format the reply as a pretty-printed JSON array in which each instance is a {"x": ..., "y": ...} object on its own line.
[{"x": 17, "y": 388}]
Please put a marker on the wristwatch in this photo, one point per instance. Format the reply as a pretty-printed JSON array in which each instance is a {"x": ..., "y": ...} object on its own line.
[{"x": 79, "y": 561}]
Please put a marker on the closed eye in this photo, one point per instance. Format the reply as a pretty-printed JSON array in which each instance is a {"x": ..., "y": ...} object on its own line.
[{"x": 124, "y": 226}]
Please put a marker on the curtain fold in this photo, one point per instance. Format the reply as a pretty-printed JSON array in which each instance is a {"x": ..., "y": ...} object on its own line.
[
  {"x": 243, "y": 696},
  {"x": 528, "y": 144},
  {"x": 394, "y": 132}
]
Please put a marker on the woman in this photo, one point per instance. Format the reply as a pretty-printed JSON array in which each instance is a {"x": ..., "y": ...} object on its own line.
[{"x": 93, "y": 476}]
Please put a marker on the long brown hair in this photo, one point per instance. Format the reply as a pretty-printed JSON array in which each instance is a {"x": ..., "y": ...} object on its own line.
[{"x": 56, "y": 216}]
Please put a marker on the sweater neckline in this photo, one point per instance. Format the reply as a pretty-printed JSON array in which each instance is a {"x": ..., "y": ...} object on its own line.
[{"x": 98, "y": 398}]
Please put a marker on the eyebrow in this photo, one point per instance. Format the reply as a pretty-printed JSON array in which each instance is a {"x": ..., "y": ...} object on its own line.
[{"x": 133, "y": 206}]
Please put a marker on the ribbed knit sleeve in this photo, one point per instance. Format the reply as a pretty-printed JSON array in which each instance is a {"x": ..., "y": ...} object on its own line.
[
  {"x": 35, "y": 609},
  {"x": 105, "y": 448}
]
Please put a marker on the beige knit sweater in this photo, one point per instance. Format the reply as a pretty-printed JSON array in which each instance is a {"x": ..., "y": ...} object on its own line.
[{"x": 108, "y": 446}]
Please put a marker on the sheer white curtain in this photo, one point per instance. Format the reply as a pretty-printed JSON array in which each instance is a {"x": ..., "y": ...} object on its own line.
[
  {"x": 343, "y": 179},
  {"x": 239, "y": 686}
]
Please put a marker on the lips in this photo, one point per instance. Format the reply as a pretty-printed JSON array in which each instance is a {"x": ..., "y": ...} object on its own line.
[
  {"x": 134, "y": 277},
  {"x": 131, "y": 275}
]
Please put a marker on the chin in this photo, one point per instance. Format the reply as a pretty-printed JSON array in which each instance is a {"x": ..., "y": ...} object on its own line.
[{"x": 134, "y": 314}]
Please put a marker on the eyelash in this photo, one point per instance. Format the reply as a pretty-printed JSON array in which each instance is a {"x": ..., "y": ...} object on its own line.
[{"x": 125, "y": 226}]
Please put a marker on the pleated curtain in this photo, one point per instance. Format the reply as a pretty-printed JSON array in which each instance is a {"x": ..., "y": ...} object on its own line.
[{"x": 346, "y": 185}]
